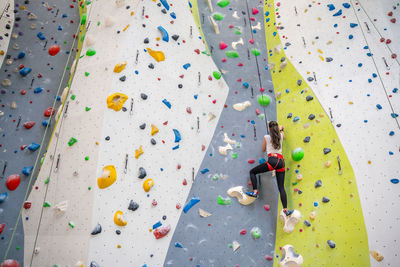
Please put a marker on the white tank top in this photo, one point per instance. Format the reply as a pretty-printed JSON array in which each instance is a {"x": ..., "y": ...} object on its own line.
[{"x": 270, "y": 148}]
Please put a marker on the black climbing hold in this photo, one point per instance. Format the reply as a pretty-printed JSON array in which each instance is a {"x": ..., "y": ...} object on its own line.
[
  {"x": 289, "y": 115},
  {"x": 310, "y": 79},
  {"x": 164, "y": 11},
  {"x": 300, "y": 192},
  {"x": 318, "y": 184},
  {"x": 307, "y": 223},
  {"x": 143, "y": 126},
  {"x": 153, "y": 141},
  {"x": 143, "y": 96},
  {"x": 118, "y": 32},
  {"x": 164, "y": 217},
  {"x": 159, "y": 4},
  {"x": 107, "y": 138},
  {"x": 118, "y": 232},
  {"x": 142, "y": 173},
  {"x": 311, "y": 117},
  {"x": 283, "y": 59},
  {"x": 299, "y": 82},
  {"x": 338, "y": 125},
  {"x": 151, "y": 66},
  {"x": 96, "y": 230},
  {"x": 94, "y": 264},
  {"x": 336, "y": 96},
  {"x": 287, "y": 44},
  {"x": 325, "y": 199},
  {"x": 133, "y": 205},
  {"x": 180, "y": 86},
  {"x": 124, "y": 109},
  {"x": 307, "y": 139},
  {"x": 309, "y": 98},
  {"x": 331, "y": 244},
  {"x": 144, "y": 25},
  {"x": 146, "y": 40},
  {"x": 8, "y": 26},
  {"x": 328, "y": 59},
  {"x": 175, "y": 37},
  {"x": 327, "y": 150},
  {"x": 123, "y": 78}
]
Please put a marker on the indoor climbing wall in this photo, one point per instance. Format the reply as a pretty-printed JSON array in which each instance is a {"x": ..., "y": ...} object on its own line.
[
  {"x": 35, "y": 53},
  {"x": 243, "y": 235},
  {"x": 350, "y": 60}
]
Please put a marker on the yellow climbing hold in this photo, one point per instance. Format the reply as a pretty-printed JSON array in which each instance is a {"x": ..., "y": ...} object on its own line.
[
  {"x": 139, "y": 152},
  {"x": 154, "y": 129},
  {"x": 116, "y": 101},
  {"x": 118, "y": 220},
  {"x": 1, "y": 52},
  {"x": 157, "y": 55},
  {"x": 120, "y": 66},
  {"x": 108, "y": 177},
  {"x": 377, "y": 256},
  {"x": 148, "y": 184},
  {"x": 323, "y": 59}
]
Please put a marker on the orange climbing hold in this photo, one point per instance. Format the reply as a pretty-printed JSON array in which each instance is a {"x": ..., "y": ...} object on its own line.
[
  {"x": 116, "y": 101},
  {"x": 157, "y": 55},
  {"x": 118, "y": 220},
  {"x": 120, "y": 67},
  {"x": 108, "y": 177}
]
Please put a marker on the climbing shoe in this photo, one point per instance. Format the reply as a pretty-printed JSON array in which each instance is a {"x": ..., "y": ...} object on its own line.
[
  {"x": 252, "y": 194},
  {"x": 288, "y": 212}
]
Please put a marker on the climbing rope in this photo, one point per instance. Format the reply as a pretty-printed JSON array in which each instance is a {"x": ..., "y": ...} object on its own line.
[{"x": 376, "y": 67}]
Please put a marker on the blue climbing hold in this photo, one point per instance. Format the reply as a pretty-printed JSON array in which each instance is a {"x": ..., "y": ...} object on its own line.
[
  {"x": 45, "y": 123},
  {"x": 203, "y": 171},
  {"x": 38, "y": 90},
  {"x": 33, "y": 147},
  {"x": 177, "y": 135},
  {"x": 21, "y": 55},
  {"x": 173, "y": 15},
  {"x": 331, "y": 7},
  {"x": 296, "y": 119},
  {"x": 395, "y": 90},
  {"x": 394, "y": 181},
  {"x": 165, "y": 4},
  {"x": 190, "y": 4},
  {"x": 338, "y": 13},
  {"x": 175, "y": 147},
  {"x": 165, "y": 35},
  {"x": 186, "y": 66},
  {"x": 246, "y": 85},
  {"x": 41, "y": 36},
  {"x": 346, "y": 5},
  {"x": 178, "y": 245},
  {"x": 353, "y": 25},
  {"x": 374, "y": 75},
  {"x": 391, "y": 133},
  {"x": 64, "y": 15},
  {"x": 156, "y": 225},
  {"x": 3, "y": 197},
  {"x": 267, "y": 13},
  {"x": 394, "y": 115},
  {"x": 167, "y": 103},
  {"x": 351, "y": 36},
  {"x": 190, "y": 204},
  {"x": 27, "y": 170},
  {"x": 261, "y": 160},
  {"x": 25, "y": 71},
  {"x": 378, "y": 106}
]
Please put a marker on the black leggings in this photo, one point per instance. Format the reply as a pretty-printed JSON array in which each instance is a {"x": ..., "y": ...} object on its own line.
[{"x": 280, "y": 176}]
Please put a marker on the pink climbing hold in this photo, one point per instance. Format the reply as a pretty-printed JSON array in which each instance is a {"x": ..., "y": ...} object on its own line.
[
  {"x": 29, "y": 124},
  {"x": 258, "y": 112},
  {"x": 10, "y": 263},
  {"x": 251, "y": 161},
  {"x": 49, "y": 111},
  {"x": 243, "y": 232},
  {"x": 251, "y": 41},
  {"x": 13, "y": 182},
  {"x": 267, "y": 207},
  {"x": 222, "y": 45},
  {"x": 255, "y": 11},
  {"x": 54, "y": 49}
]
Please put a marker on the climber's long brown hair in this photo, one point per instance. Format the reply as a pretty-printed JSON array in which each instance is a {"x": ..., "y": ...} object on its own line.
[{"x": 275, "y": 134}]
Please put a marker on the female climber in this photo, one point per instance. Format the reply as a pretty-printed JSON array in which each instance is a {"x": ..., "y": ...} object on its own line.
[{"x": 273, "y": 144}]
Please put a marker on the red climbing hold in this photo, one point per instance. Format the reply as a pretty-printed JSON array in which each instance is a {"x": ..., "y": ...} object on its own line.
[
  {"x": 184, "y": 182},
  {"x": 13, "y": 182},
  {"x": 388, "y": 41},
  {"x": 54, "y": 49},
  {"x": 197, "y": 51},
  {"x": 251, "y": 41},
  {"x": 29, "y": 124},
  {"x": 267, "y": 207},
  {"x": 161, "y": 231},
  {"x": 49, "y": 111},
  {"x": 390, "y": 14},
  {"x": 255, "y": 11},
  {"x": 243, "y": 232},
  {"x": 393, "y": 20},
  {"x": 251, "y": 161},
  {"x": 394, "y": 56},
  {"x": 382, "y": 39},
  {"x": 222, "y": 45},
  {"x": 10, "y": 263},
  {"x": 27, "y": 205},
  {"x": 2, "y": 226},
  {"x": 22, "y": 92},
  {"x": 268, "y": 257}
]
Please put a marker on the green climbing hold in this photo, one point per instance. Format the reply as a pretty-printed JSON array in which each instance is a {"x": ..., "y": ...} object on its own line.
[
  {"x": 255, "y": 52},
  {"x": 238, "y": 32},
  {"x": 89, "y": 188},
  {"x": 41, "y": 161},
  {"x": 297, "y": 154},
  {"x": 223, "y": 3},
  {"x": 73, "y": 97},
  {"x": 87, "y": 73},
  {"x": 87, "y": 109},
  {"x": 71, "y": 224},
  {"x": 217, "y": 75},
  {"x": 47, "y": 180},
  {"x": 234, "y": 155},
  {"x": 232, "y": 54},
  {"x": 83, "y": 19},
  {"x": 90, "y": 52},
  {"x": 72, "y": 141},
  {"x": 46, "y": 204},
  {"x": 264, "y": 100},
  {"x": 256, "y": 233},
  {"x": 218, "y": 16},
  {"x": 87, "y": 158},
  {"x": 223, "y": 201}
]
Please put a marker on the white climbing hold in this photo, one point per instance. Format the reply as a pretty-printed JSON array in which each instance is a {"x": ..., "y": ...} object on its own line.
[
  {"x": 119, "y": 3},
  {"x": 73, "y": 66},
  {"x": 210, "y": 6},
  {"x": 289, "y": 222},
  {"x": 235, "y": 245},
  {"x": 214, "y": 24},
  {"x": 13, "y": 105},
  {"x": 32, "y": 16},
  {"x": 240, "y": 195},
  {"x": 290, "y": 258},
  {"x": 64, "y": 94},
  {"x": 223, "y": 150},
  {"x": 204, "y": 214},
  {"x": 211, "y": 116},
  {"x": 283, "y": 65},
  {"x": 62, "y": 206},
  {"x": 277, "y": 49},
  {"x": 228, "y": 140},
  {"x": 234, "y": 44},
  {"x": 242, "y": 106},
  {"x": 257, "y": 27},
  {"x": 235, "y": 15},
  {"x": 37, "y": 250}
]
